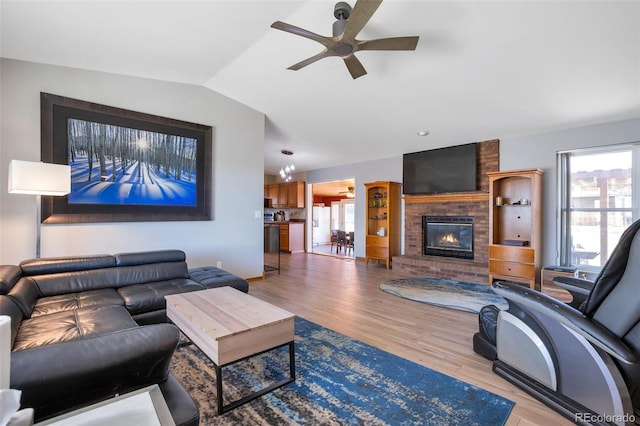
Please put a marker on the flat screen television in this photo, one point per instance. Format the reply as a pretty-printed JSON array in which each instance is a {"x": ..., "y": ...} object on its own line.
[{"x": 437, "y": 171}]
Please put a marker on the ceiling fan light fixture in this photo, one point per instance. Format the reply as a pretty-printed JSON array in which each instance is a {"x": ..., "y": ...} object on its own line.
[{"x": 350, "y": 21}]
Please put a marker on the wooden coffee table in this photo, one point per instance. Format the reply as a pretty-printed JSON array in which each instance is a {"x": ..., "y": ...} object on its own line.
[{"x": 229, "y": 326}]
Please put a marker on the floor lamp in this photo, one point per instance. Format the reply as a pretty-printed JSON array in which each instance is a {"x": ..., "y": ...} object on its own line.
[{"x": 37, "y": 178}]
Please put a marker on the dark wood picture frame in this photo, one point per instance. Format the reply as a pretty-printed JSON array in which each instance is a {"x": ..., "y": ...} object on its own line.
[{"x": 55, "y": 114}]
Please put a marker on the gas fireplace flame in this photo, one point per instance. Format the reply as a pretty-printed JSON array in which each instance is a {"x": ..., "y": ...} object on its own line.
[{"x": 449, "y": 240}]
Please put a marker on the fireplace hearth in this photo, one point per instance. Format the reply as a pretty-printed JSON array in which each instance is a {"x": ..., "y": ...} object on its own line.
[{"x": 448, "y": 236}]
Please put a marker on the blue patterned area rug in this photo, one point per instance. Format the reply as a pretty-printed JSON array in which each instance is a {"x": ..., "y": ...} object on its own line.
[
  {"x": 446, "y": 293},
  {"x": 339, "y": 381}
]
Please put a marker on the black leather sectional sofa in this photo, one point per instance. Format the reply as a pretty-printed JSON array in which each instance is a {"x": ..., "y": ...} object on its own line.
[{"x": 86, "y": 328}]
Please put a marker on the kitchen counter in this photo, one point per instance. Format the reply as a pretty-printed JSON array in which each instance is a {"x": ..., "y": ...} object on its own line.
[
  {"x": 291, "y": 234},
  {"x": 271, "y": 245}
]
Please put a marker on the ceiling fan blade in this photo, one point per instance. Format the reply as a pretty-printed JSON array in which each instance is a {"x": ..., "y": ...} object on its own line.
[
  {"x": 362, "y": 11},
  {"x": 310, "y": 60},
  {"x": 393, "y": 43},
  {"x": 283, "y": 26},
  {"x": 354, "y": 66}
]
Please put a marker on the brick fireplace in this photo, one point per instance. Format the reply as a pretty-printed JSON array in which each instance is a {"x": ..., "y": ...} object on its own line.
[
  {"x": 448, "y": 236},
  {"x": 474, "y": 205}
]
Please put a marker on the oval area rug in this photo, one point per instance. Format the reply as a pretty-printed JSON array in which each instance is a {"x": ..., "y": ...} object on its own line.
[{"x": 451, "y": 294}]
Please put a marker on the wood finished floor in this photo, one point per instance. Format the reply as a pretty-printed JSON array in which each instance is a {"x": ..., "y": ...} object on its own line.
[{"x": 343, "y": 295}]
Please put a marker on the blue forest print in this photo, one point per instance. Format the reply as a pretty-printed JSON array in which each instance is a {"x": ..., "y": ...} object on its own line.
[{"x": 114, "y": 165}]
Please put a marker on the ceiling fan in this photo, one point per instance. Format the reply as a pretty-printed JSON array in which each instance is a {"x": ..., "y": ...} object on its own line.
[
  {"x": 350, "y": 192},
  {"x": 344, "y": 43}
]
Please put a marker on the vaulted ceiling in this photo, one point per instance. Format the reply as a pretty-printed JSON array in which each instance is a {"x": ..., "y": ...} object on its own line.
[{"x": 481, "y": 70}]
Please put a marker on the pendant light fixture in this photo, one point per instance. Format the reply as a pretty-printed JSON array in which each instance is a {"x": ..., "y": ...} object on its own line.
[{"x": 288, "y": 168}]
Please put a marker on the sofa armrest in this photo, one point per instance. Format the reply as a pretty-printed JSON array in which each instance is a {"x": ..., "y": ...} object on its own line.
[
  {"x": 9, "y": 274},
  {"x": 58, "y": 377},
  {"x": 183, "y": 408}
]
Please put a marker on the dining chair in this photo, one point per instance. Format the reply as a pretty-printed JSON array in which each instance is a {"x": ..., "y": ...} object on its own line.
[
  {"x": 334, "y": 238},
  {"x": 350, "y": 242},
  {"x": 342, "y": 241}
]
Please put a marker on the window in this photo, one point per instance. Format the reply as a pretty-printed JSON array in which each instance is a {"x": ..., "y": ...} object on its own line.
[
  {"x": 348, "y": 217},
  {"x": 343, "y": 215},
  {"x": 335, "y": 215},
  {"x": 597, "y": 202}
]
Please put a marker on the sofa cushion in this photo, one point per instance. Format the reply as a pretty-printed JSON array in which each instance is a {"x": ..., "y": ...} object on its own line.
[
  {"x": 212, "y": 277},
  {"x": 9, "y": 274},
  {"x": 150, "y": 296},
  {"x": 147, "y": 257},
  {"x": 148, "y": 273},
  {"x": 57, "y": 265},
  {"x": 85, "y": 299},
  {"x": 71, "y": 325},
  {"x": 75, "y": 281}
]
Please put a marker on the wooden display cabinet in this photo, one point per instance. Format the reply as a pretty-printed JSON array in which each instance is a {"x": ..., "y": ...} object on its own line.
[
  {"x": 551, "y": 272},
  {"x": 515, "y": 199},
  {"x": 382, "y": 221}
]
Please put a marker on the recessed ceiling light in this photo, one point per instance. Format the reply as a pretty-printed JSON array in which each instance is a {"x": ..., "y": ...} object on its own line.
[{"x": 423, "y": 132}]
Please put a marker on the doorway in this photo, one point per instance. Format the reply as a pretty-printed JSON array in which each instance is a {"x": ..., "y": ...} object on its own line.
[{"x": 333, "y": 209}]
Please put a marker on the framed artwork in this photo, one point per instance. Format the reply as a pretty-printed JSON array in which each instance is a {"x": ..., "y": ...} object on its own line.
[{"x": 126, "y": 166}]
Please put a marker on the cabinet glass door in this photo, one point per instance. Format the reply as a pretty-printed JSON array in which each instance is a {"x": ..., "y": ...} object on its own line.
[{"x": 377, "y": 208}]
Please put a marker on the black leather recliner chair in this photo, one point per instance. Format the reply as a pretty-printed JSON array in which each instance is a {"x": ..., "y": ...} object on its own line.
[{"x": 582, "y": 360}]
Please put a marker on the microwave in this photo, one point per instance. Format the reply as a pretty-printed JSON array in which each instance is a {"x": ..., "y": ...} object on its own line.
[{"x": 269, "y": 217}]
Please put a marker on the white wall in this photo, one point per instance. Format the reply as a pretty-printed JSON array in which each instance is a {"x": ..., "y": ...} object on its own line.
[
  {"x": 234, "y": 236},
  {"x": 540, "y": 151},
  {"x": 515, "y": 153}
]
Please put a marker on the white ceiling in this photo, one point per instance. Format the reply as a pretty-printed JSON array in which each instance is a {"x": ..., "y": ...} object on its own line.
[{"x": 482, "y": 69}]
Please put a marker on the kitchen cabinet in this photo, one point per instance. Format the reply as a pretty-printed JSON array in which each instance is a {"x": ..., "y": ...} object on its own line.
[
  {"x": 295, "y": 195},
  {"x": 515, "y": 199},
  {"x": 292, "y": 237},
  {"x": 273, "y": 191},
  {"x": 382, "y": 221},
  {"x": 283, "y": 195},
  {"x": 286, "y": 195}
]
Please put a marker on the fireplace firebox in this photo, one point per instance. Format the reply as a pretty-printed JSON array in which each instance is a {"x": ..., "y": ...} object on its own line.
[{"x": 448, "y": 236}]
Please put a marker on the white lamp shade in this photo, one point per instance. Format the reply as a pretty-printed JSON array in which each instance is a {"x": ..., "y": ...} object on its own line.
[{"x": 37, "y": 178}]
